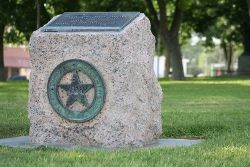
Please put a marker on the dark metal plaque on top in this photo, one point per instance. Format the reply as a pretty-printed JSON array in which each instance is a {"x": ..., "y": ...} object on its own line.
[{"x": 90, "y": 21}]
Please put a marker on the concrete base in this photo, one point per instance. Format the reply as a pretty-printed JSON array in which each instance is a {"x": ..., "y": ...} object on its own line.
[{"x": 23, "y": 142}]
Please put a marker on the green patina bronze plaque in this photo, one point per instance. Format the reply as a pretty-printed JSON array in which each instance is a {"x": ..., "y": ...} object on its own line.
[{"x": 76, "y": 90}]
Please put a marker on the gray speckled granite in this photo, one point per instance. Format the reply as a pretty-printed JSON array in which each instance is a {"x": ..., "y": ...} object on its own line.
[{"x": 131, "y": 115}]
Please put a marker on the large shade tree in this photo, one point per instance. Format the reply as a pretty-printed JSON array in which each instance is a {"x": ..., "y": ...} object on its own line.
[
  {"x": 225, "y": 20},
  {"x": 6, "y": 19},
  {"x": 21, "y": 17},
  {"x": 18, "y": 19},
  {"x": 17, "y": 22},
  {"x": 167, "y": 18}
]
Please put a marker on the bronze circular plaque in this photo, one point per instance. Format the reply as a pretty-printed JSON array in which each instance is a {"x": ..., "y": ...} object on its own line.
[{"x": 76, "y": 90}]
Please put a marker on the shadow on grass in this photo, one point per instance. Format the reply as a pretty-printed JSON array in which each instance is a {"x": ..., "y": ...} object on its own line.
[
  {"x": 13, "y": 130},
  {"x": 193, "y": 131}
]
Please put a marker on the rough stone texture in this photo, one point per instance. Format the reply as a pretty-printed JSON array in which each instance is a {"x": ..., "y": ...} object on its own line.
[{"x": 131, "y": 116}]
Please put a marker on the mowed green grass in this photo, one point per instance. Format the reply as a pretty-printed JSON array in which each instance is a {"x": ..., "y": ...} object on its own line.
[
  {"x": 214, "y": 109},
  {"x": 13, "y": 114}
]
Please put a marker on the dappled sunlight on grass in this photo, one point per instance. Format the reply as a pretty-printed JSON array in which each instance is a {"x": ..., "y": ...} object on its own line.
[
  {"x": 204, "y": 109},
  {"x": 205, "y": 90}
]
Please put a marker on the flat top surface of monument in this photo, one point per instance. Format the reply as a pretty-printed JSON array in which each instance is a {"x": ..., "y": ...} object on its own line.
[{"x": 90, "y": 21}]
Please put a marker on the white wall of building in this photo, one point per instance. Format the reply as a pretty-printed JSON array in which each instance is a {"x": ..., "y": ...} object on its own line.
[{"x": 159, "y": 66}]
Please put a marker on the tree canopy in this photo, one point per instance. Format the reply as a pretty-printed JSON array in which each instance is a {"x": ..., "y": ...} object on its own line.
[
  {"x": 17, "y": 22},
  {"x": 225, "y": 20},
  {"x": 6, "y": 19}
]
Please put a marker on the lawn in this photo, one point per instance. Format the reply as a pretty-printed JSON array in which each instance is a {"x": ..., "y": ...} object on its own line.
[{"x": 214, "y": 109}]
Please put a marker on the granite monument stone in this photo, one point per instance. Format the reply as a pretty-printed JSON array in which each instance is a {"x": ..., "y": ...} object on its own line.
[{"x": 92, "y": 81}]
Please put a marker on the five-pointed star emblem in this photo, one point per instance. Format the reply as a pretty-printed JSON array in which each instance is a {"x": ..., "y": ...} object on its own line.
[{"x": 76, "y": 91}]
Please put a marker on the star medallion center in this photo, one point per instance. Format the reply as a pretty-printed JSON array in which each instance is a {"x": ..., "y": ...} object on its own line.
[{"x": 76, "y": 90}]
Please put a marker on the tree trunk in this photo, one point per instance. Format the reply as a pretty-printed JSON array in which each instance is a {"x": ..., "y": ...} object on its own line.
[
  {"x": 248, "y": 6},
  {"x": 38, "y": 24},
  {"x": 173, "y": 47},
  {"x": 167, "y": 64},
  {"x": 230, "y": 57},
  {"x": 169, "y": 31},
  {"x": 2, "y": 70},
  {"x": 224, "y": 46},
  {"x": 228, "y": 52}
]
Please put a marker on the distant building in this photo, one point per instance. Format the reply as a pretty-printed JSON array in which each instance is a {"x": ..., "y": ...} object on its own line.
[
  {"x": 16, "y": 62},
  {"x": 159, "y": 66}
]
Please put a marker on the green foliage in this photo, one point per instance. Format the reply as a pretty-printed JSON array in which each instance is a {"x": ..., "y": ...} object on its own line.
[
  {"x": 19, "y": 19},
  {"x": 6, "y": 11},
  {"x": 220, "y": 19},
  {"x": 56, "y": 7},
  {"x": 27, "y": 13},
  {"x": 14, "y": 36},
  {"x": 113, "y": 5},
  {"x": 184, "y": 4}
]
